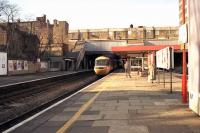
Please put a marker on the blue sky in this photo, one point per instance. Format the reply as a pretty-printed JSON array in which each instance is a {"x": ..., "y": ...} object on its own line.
[{"x": 83, "y": 14}]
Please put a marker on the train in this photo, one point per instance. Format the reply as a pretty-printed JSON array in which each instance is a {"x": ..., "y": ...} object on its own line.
[{"x": 104, "y": 65}]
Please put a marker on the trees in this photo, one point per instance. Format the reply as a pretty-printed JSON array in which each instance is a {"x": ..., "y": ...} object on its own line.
[
  {"x": 17, "y": 42},
  {"x": 8, "y": 12},
  {"x": 8, "y": 15}
]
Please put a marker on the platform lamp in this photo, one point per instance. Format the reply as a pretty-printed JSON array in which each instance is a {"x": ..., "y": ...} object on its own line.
[{"x": 184, "y": 77}]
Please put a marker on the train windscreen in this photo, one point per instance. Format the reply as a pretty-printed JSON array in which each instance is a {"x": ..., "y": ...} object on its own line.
[{"x": 101, "y": 63}]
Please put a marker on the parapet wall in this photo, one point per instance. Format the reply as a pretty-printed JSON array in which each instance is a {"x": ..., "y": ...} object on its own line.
[{"x": 125, "y": 33}]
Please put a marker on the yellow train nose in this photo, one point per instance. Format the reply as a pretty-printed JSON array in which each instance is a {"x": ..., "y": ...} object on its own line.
[{"x": 101, "y": 70}]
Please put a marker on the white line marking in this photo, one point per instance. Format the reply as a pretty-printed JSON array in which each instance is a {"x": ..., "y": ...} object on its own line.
[{"x": 52, "y": 106}]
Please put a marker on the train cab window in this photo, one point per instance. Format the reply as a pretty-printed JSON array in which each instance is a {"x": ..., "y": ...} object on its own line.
[{"x": 101, "y": 62}]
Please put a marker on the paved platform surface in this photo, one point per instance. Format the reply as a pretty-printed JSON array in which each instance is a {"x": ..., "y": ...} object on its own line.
[
  {"x": 6, "y": 80},
  {"x": 118, "y": 104}
]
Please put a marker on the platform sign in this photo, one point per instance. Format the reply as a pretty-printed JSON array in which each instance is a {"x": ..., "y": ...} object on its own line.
[
  {"x": 183, "y": 34},
  {"x": 3, "y": 63},
  {"x": 165, "y": 58}
]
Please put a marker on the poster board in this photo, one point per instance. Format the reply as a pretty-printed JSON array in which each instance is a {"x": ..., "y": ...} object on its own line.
[
  {"x": 3, "y": 63},
  {"x": 10, "y": 65},
  {"x": 183, "y": 34},
  {"x": 25, "y": 65},
  {"x": 15, "y": 65},
  {"x": 19, "y": 65},
  {"x": 165, "y": 58},
  {"x": 43, "y": 65}
]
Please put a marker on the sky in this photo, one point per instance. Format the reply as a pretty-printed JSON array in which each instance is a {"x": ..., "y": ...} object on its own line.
[{"x": 91, "y": 14}]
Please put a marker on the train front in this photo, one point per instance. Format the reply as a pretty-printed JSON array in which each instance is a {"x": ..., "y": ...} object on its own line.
[{"x": 102, "y": 66}]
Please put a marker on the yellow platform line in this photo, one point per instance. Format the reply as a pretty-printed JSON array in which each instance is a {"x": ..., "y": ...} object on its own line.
[{"x": 74, "y": 118}]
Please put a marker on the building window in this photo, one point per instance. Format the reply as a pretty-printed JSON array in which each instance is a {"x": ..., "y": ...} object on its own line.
[{"x": 157, "y": 32}]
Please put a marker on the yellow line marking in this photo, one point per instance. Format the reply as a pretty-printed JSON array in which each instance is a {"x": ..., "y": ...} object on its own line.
[{"x": 68, "y": 124}]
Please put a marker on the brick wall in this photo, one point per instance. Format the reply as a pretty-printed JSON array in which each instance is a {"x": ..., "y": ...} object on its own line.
[{"x": 49, "y": 35}]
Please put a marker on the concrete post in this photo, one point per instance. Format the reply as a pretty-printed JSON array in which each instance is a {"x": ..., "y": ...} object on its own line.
[{"x": 142, "y": 63}]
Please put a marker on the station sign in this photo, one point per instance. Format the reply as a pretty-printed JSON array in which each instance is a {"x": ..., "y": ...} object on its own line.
[
  {"x": 3, "y": 63},
  {"x": 165, "y": 58},
  {"x": 183, "y": 34}
]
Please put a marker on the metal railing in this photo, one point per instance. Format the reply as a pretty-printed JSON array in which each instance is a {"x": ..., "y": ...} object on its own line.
[{"x": 80, "y": 57}]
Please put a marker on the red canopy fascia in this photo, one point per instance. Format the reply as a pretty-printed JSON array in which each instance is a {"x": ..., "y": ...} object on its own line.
[{"x": 143, "y": 48}]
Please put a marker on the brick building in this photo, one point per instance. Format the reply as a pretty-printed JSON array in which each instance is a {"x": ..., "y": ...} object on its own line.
[
  {"x": 53, "y": 37},
  {"x": 36, "y": 39},
  {"x": 17, "y": 43}
]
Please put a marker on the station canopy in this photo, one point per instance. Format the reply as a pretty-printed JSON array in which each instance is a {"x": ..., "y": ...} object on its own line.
[{"x": 142, "y": 49}]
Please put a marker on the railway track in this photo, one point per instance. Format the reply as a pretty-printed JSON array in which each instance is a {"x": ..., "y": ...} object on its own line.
[{"x": 21, "y": 103}]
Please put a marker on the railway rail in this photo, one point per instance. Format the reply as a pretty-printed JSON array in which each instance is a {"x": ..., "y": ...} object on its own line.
[{"x": 19, "y": 101}]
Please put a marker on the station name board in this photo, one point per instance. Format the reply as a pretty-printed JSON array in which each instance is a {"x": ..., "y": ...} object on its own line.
[{"x": 165, "y": 58}]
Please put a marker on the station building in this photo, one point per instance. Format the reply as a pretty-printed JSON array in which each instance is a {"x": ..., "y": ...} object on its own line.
[
  {"x": 135, "y": 42},
  {"x": 62, "y": 47}
]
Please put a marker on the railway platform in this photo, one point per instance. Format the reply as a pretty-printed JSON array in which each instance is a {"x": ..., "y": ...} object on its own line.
[
  {"x": 10, "y": 80},
  {"x": 117, "y": 104}
]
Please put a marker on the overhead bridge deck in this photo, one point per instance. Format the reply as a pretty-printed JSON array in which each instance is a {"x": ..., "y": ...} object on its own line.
[{"x": 116, "y": 104}]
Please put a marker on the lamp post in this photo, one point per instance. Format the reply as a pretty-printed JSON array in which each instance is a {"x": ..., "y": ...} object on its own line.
[{"x": 184, "y": 67}]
